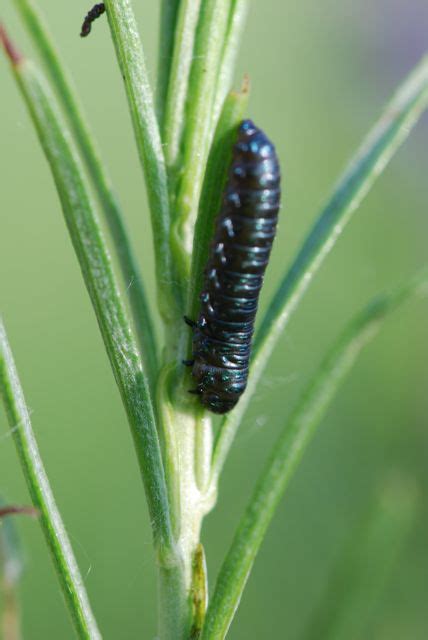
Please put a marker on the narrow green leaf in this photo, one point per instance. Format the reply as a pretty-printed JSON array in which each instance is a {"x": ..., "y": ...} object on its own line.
[
  {"x": 175, "y": 112},
  {"x": 214, "y": 181},
  {"x": 376, "y": 151},
  {"x": 131, "y": 275},
  {"x": 288, "y": 451},
  {"x": 42, "y": 497},
  {"x": 383, "y": 141},
  {"x": 199, "y": 126},
  {"x": 237, "y": 18},
  {"x": 354, "y": 591},
  {"x": 168, "y": 19},
  {"x": 94, "y": 261},
  {"x": 130, "y": 56}
]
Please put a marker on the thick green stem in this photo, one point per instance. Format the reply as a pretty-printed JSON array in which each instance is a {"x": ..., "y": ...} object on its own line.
[
  {"x": 189, "y": 445},
  {"x": 42, "y": 497},
  {"x": 187, "y": 449},
  {"x": 174, "y": 605}
]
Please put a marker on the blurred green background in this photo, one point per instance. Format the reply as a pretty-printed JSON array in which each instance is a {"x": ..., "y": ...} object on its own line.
[{"x": 320, "y": 73}]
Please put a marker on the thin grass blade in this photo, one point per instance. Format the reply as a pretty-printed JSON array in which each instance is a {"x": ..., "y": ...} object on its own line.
[
  {"x": 98, "y": 275},
  {"x": 168, "y": 20},
  {"x": 237, "y": 18},
  {"x": 42, "y": 497},
  {"x": 288, "y": 451},
  {"x": 175, "y": 110},
  {"x": 129, "y": 51},
  {"x": 111, "y": 209},
  {"x": 199, "y": 128},
  {"x": 393, "y": 127}
]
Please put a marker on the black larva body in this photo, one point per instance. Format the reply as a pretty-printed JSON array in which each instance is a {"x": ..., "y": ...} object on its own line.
[{"x": 244, "y": 232}]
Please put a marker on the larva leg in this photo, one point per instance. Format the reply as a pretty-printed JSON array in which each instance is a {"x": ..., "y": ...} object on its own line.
[{"x": 190, "y": 322}]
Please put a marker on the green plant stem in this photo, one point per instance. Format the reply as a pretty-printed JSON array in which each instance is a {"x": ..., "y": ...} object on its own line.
[
  {"x": 288, "y": 451},
  {"x": 187, "y": 432},
  {"x": 131, "y": 61},
  {"x": 199, "y": 126},
  {"x": 96, "y": 268},
  {"x": 182, "y": 56},
  {"x": 187, "y": 454},
  {"x": 237, "y": 18},
  {"x": 168, "y": 19},
  {"x": 110, "y": 207},
  {"x": 382, "y": 142},
  {"x": 362, "y": 572},
  {"x": 42, "y": 497}
]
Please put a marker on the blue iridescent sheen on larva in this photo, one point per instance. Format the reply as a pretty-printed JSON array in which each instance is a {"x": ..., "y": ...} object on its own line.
[{"x": 244, "y": 232}]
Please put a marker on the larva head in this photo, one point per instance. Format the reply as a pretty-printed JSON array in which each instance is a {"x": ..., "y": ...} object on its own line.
[{"x": 217, "y": 404}]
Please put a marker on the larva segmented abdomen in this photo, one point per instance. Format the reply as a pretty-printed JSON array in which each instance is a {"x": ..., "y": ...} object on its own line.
[{"x": 245, "y": 230}]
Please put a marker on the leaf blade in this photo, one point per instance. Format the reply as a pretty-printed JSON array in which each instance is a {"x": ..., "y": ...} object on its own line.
[
  {"x": 175, "y": 109},
  {"x": 42, "y": 497},
  {"x": 99, "y": 279},
  {"x": 237, "y": 18},
  {"x": 378, "y": 148},
  {"x": 129, "y": 52},
  {"x": 198, "y": 131},
  {"x": 111, "y": 209},
  {"x": 288, "y": 451},
  {"x": 168, "y": 19}
]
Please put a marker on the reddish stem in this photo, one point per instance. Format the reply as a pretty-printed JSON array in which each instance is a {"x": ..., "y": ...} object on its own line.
[
  {"x": 11, "y": 51},
  {"x": 14, "y": 509}
]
